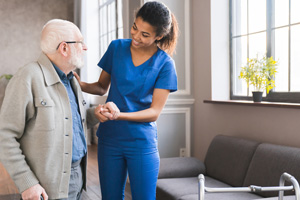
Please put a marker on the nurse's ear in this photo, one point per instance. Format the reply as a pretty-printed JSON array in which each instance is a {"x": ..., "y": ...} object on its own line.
[{"x": 158, "y": 38}]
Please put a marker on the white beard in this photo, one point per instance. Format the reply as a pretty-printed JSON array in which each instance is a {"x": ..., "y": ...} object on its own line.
[{"x": 76, "y": 59}]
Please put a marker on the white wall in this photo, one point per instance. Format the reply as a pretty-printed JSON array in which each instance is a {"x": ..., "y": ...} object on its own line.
[
  {"x": 220, "y": 49},
  {"x": 266, "y": 124}
]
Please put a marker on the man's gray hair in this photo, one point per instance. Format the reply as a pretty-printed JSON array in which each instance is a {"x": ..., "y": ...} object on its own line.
[{"x": 56, "y": 31}]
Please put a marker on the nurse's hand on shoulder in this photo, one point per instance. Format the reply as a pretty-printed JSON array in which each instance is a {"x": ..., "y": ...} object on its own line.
[{"x": 78, "y": 78}]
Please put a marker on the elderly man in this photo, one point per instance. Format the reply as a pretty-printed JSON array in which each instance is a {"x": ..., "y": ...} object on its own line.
[{"x": 42, "y": 120}]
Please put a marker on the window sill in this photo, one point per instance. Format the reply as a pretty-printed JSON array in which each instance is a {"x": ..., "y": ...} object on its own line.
[{"x": 251, "y": 103}]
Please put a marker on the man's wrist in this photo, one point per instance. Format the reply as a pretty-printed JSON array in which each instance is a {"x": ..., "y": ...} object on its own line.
[{"x": 26, "y": 181}]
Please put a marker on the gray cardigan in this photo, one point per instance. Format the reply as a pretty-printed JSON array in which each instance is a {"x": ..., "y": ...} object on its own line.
[{"x": 36, "y": 129}]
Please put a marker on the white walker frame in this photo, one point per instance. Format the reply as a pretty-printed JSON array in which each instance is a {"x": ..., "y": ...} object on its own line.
[{"x": 252, "y": 188}]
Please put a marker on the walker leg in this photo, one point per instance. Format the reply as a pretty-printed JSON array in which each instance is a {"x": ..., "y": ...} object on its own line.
[{"x": 201, "y": 187}]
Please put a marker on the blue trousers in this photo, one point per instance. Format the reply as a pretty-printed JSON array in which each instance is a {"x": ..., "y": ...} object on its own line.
[{"x": 142, "y": 166}]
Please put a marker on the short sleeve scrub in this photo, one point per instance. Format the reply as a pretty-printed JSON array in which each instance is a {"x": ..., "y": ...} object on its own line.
[{"x": 132, "y": 90}]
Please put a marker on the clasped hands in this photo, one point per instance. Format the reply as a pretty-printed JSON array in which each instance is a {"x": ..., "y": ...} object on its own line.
[{"x": 108, "y": 111}]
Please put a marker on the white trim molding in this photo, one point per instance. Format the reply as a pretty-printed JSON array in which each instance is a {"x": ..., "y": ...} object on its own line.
[
  {"x": 187, "y": 112},
  {"x": 187, "y": 39},
  {"x": 180, "y": 101}
]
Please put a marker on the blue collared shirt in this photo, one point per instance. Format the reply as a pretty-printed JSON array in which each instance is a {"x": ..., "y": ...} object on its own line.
[{"x": 79, "y": 143}]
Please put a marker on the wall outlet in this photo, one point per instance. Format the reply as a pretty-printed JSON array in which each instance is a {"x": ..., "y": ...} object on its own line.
[{"x": 182, "y": 152}]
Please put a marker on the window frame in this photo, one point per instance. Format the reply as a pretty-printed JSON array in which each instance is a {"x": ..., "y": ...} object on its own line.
[
  {"x": 292, "y": 97},
  {"x": 117, "y": 26}
]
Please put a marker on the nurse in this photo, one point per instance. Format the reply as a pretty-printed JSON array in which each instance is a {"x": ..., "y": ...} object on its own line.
[{"x": 141, "y": 74}]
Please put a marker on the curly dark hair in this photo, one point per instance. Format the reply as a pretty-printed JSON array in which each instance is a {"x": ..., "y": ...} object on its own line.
[{"x": 159, "y": 16}]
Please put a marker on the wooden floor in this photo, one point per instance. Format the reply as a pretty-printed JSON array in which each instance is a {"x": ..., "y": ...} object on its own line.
[{"x": 93, "y": 185}]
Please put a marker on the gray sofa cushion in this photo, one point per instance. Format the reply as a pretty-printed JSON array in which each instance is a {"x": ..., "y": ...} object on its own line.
[
  {"x": 180, "y": 167},
  {"x": 174, "y": 188},
  {"x": 269, "y": 162},
  {"x": 228, "y": 159}
]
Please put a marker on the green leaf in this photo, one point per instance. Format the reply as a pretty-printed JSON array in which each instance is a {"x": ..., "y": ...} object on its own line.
[{"x": 6, "y": 76}]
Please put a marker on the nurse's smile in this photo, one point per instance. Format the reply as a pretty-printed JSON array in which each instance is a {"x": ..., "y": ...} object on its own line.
[{"x": 134, "y": 42}]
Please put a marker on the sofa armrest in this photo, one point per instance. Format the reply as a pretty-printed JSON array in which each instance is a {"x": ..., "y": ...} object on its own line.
[{"x": 179, "y": 167}]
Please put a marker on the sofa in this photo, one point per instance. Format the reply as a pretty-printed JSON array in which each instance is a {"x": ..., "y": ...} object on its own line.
[{"x": 229, "y": 162}]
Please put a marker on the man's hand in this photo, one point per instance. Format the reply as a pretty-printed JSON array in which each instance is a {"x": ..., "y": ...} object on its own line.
[
  {"x": 113, "y": 110},
  {"x": 106, "y": 112},
  {"x": 34, "y": 193},
  {"x": 98, "y": 113}
]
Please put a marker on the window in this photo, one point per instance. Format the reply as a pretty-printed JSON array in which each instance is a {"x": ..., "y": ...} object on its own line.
[
  {"x": 111, "y": 23},
  {"x": 271, "y": 27}
]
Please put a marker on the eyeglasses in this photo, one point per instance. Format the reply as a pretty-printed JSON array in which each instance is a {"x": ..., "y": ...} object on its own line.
[{"x": 70, "y": 42}]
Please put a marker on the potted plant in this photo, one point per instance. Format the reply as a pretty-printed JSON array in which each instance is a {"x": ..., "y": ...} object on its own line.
[
  {"x": 6, "y": 76},
  {"x": 260, "y": 73}
]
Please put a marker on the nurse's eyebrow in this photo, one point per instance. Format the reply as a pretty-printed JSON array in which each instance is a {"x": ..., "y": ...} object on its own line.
[{"x": 142, "y": 31}]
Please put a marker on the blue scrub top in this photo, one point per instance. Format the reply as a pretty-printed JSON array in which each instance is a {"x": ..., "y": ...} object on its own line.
[{"x": 131, "y": 90}]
